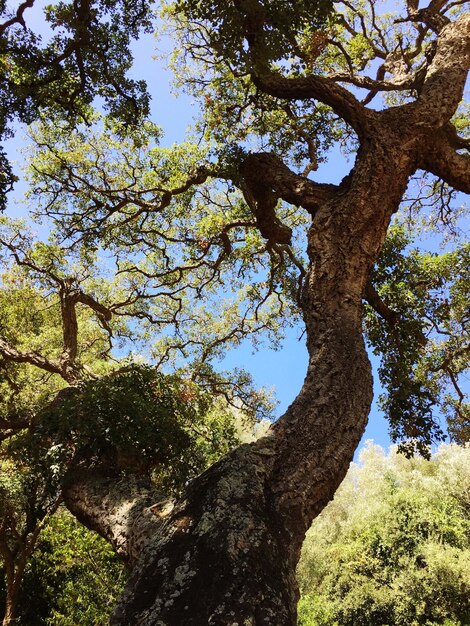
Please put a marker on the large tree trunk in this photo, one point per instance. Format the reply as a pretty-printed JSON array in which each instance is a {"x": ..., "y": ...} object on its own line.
[{"x": 227, "y": 553}]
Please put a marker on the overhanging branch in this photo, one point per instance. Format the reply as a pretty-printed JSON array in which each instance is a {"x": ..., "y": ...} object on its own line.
[
  {"x": 372, "y": 297},
  {"x": 326, "y": 90}
]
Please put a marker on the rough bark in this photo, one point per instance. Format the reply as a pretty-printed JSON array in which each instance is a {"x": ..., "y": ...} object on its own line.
[{"x": 127, "y": 511}]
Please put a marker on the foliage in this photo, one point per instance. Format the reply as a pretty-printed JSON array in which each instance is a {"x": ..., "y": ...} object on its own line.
[
  {"x": 135, "y": 419},
  {"x": 26, "y": 497},
  {"x": 213, "y": 62},
  {"x": 179, "y": 224},
  {"x": 423, "y": 342},
  {"x": 26, "y": 501},
  {"x": 206, "y": 238},
  {"x": 80, "y": 51},
  {"x": 393, "y": 547},
  {"x": 73, "y": 578},
  {"x": 191, "y": 265},
  {"x": 226, "y": 25},
  {"x": 30, "y": 318}
]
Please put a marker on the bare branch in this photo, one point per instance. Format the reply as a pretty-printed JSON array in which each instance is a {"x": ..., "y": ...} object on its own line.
[
  {"x": 33, "y": 358},
  {"x": 18, "y": 18}
]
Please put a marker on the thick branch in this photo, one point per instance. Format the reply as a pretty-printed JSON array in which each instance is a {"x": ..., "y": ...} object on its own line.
[
  {"x": 14, "y": 423},
  {"x": 402, "y": 83},
  {"x": 69, "y": 298},
  {"x": 93, "y": 304},
  {"x": 69, "y": 325},
  {"x": 266, "y": 179},
  {"x": 455, "y": 140},
  {"x": 319, "y": 88},
  {"x": 127, "y": 512},
  {"x": 445, "y": 79},
  {"x": 429, "y": 15},
  {"x": 18, "y": 18},
  {"x": 443, "y": 161},
  {"x": 372, "y": 297},
  {"x": 69, "y": 295},
  {"x": 33, "y": 358},
  {"x": 343, "y": 102}
]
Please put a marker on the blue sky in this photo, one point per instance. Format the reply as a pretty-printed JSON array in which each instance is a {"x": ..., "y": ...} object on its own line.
[{"x": 284, "y": 369}]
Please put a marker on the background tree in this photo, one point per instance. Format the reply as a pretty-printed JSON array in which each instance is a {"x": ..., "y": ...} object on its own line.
[
  {"x": 26, "y": 504},
  {"x": 285, "y": 79},
  {"x": 74, "y": 577},
  {"x": 400, "y": 559}
]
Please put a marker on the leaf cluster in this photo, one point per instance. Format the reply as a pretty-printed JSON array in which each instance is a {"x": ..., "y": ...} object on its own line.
[
  {"x": 74, "y": 577},
  {"x": 137, "y": 420},
  {"x": 228, "y": 26},
  {"x": 80, "y": 52}
]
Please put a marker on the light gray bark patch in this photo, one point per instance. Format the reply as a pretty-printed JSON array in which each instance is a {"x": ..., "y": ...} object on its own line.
[{"x": 219, "y": 553}]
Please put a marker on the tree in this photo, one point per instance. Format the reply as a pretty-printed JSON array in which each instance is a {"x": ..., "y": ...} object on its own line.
[
  {"x": 285, "y": 78},
  {"x": 74, "y": 577},
  {"x": 26, "y": 504},
  {"x": 401, "y": 558}
]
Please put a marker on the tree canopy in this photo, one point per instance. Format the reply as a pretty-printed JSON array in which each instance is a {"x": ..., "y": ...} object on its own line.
[
  {"x": 173, "y": 255},
  {"x": 79, "y": 52}
]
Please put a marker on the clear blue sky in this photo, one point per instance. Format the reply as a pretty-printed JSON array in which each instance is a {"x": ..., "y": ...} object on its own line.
[{"x": 284, "y": 369}]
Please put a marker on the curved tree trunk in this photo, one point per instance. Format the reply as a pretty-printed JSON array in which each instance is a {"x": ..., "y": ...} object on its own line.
[{"x": 225, "y": 553}]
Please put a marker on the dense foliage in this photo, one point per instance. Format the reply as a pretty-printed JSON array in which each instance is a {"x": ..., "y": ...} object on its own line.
[
  {"x": 73, "y": 578},
  {"x": 421, "y": 340},
  {"x": 393, "y": 547},
  {"x": 135, "y": 419}
]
